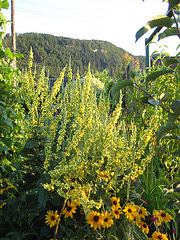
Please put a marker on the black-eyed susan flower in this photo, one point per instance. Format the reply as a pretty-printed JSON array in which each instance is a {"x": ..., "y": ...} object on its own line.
[
  {"x": 161, "y": 216},
  {"x": 51, "y": 218},
  {"x": 141, "y": 211},
  {"x": 115, "y": 202},
  {"x": 116, "y": 212},
  {"x": 137, "y": 220},
  {"x": 107, "y": 220},
  {"x": 144, "y": 227},
  {"x": 130, "y": 211},
  {"x": 70, "y": 209},
  {"x": 158, "y": 236},
  {"x": 95, "y": 219}
]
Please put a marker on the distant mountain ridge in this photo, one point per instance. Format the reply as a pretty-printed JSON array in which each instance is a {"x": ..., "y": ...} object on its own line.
[{"x": 55, "y": 53}]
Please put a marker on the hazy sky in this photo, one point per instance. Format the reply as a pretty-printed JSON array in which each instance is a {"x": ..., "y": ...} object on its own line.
[{"x": 115, "y": 21}]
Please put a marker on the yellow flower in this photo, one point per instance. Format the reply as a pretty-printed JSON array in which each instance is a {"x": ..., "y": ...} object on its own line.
[
  {"x": 115, "y": 202},
  {"x": 162, "y": 216},
  {"x": 2, "y": 205},
  {"x": 141, "y": 211},
  {"x": 107, "y": 220},
  {"x": 130, "y": 211},
  {"x": 137, "y": 220},
  {"x": 70, "y": 209},
  {"x": 144, "y": 227},
  {"x": 116, "y": 212},
  {"x": 51, "y": 218},
  {"x": 95, "y": 219},
  {"x": 157, "y": 235}
]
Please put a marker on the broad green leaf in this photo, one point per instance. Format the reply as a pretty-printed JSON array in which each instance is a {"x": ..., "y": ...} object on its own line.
[
  {"x": 119, "y": 85},
  {"x": 169, "y": 61},
  {"x": 132, "y": 74},
  {"x": 154, "y": 102},
  {"x": 158, "y": 21},
  {"x": 31, "y": 143},
  {"x": 167, "y": 33},
  {"x": 152, "y": 76},
  {"x": 175, "y": 105},
  {"x": 2, "y": 53},
  {"x": 42, "y": 198},
  {"x": 18, "y": 55},
  {"x": 163, "y": 130},
  {"x": 4, "y": 4},
  {"x": 9, "y": 53},
  {"x": 173, "y": 116},
  {"x": 173, "y": 3}
]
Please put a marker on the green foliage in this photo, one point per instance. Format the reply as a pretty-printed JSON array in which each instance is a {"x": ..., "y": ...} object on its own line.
[{"x": 55, "y": 52}]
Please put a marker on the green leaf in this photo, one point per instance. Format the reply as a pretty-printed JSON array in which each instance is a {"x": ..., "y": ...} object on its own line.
[
  {"x": 169, "y": 61},
  {"x": 175, "y": 105},
  {"x": 119, "y": 85},
  {"x": 173, "y": 3},
  {"x": 163, "y": 130},
  {"x": 4, "y": 4},
  {"x": 18, "y": 55},
  {"x": 167, "y": 33},
  {"x": 42, "y": 198},
  {"x": 164, "y": 181},
  {"x": 2, "y": 53},
  {"x": 154, "y": 102},
  {"x": 31, "y": 143},
  {"x": 173, "y": 116},
  {"x": 132, "y": 74},
  {"x": 9, "y": 53},
  {"x": 152, "y": 76},
  {"x": 158, "y": 21}
]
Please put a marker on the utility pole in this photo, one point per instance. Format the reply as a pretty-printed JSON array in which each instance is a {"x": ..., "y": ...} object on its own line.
[{"x": 13, "y": 34}]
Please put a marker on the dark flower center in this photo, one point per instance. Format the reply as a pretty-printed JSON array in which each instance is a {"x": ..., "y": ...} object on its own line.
[
  {"x": 116, "y": 212},
  {"x": 144, "y": 225},
  {"x": 130, "y": 210},
  {"x": 106, "y": 219},
  {"x": 69, "y": 208},
  {"x": 96, "y": 218},
  {"x": 160, "y": 237},
  {"x": 114, "y": 202},
  {"x": 163, "y": 214},
  {"x": 140, "y": 211},
  {"x": 52, "y": 218}
]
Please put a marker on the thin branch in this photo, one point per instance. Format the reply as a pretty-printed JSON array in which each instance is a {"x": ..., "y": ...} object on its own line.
[{"x": 57, "y": 225}]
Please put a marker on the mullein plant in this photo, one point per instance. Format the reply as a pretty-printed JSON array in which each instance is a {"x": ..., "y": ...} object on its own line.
[{"x": 89, "y": 142}]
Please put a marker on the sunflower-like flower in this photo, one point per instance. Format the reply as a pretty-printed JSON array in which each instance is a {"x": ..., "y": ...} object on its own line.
[
  {"x": 144, "y": 227},
  {"x": 161, "y": 216},
  {"x": 115, "y": 202},
  {"x": 116, "y": 212},
  {"x": 157, "y": 235},
  {"x": 107, "y": 220},
  {"x": 137, "y": 220},
  {"x": 51, "y": 218},
  {"x": 130, "y": 211},
  {"x": 141, "y": 211},
  {"x": 70, "y": 209},
  {"x": 95, "y": 219}
]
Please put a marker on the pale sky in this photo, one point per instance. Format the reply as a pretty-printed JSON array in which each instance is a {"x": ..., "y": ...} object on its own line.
[{"x": 115, "y": 21}]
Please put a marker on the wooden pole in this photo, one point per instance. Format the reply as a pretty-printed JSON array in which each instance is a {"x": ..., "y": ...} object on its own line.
[{"x": 13, "y": 34}]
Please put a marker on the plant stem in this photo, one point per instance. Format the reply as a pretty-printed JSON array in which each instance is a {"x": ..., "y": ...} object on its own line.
[{"x": 57, "y": 225}]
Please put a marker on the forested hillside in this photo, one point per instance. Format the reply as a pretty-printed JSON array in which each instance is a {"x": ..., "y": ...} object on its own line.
[{"x": 55, "y": 53}]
